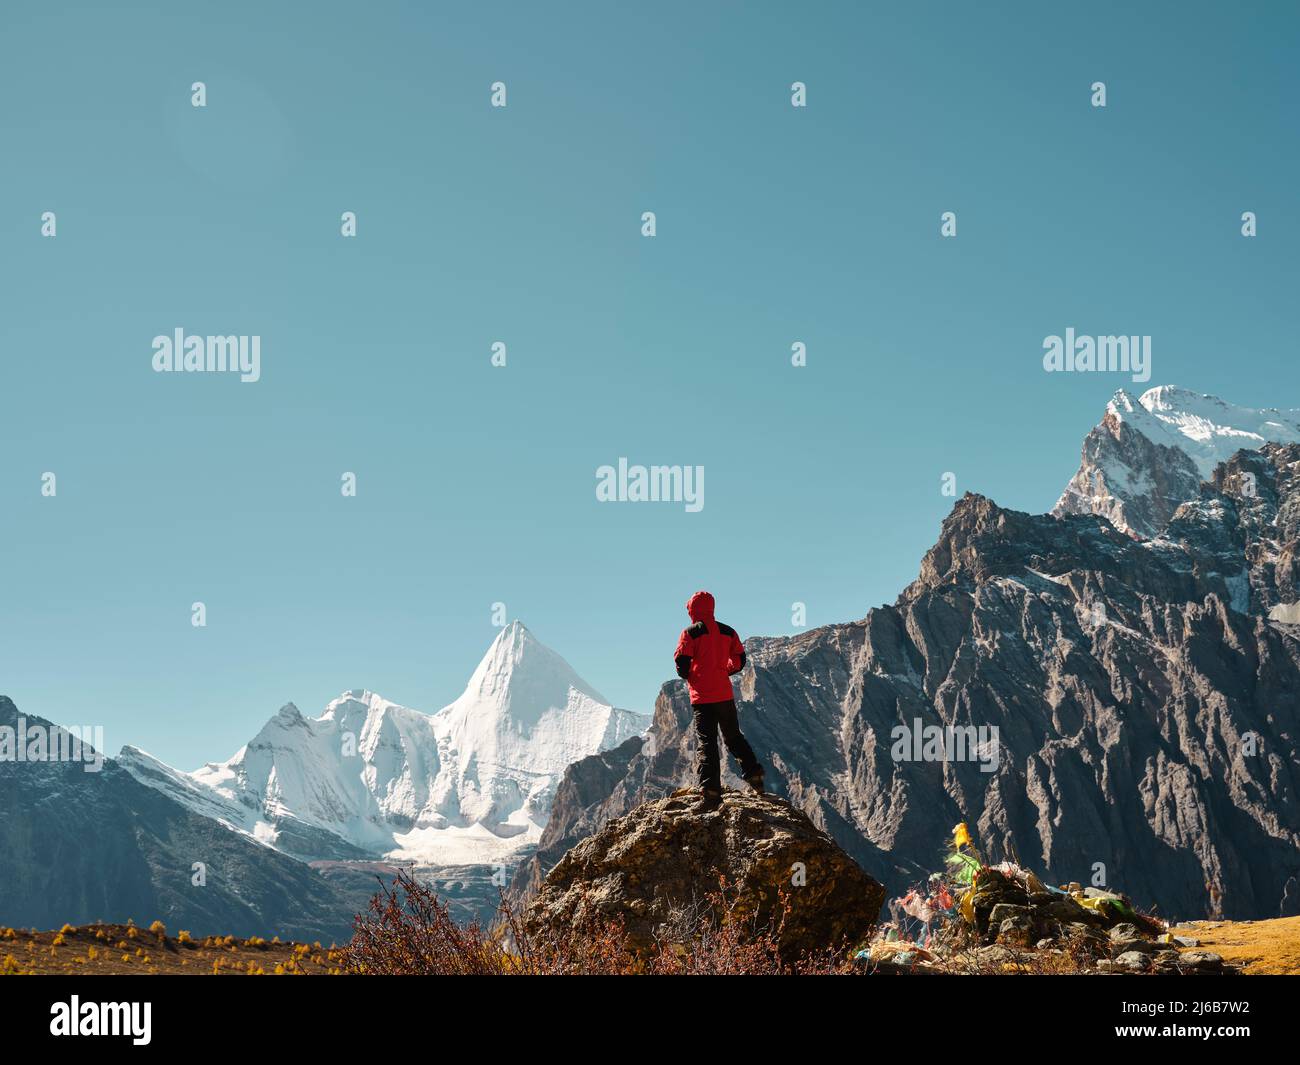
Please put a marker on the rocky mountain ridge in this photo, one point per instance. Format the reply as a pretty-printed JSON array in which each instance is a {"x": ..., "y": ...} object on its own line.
[{"x": 1145, "y": 693}]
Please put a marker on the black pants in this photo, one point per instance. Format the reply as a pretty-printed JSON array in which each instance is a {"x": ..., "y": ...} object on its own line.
[{"x": 709, "y": 719}]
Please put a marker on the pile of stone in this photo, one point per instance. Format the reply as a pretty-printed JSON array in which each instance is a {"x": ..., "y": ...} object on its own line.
[{"x": 1009, "y": 920}]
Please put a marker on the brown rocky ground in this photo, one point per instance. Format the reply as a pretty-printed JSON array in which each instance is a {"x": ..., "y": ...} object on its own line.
[{"x": 116, "y": 949}]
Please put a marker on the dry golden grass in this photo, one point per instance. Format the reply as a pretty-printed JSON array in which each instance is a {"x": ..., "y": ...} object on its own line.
[
  {"x": 120, "y": 949},
  {"x": 1264, "y": 947}
]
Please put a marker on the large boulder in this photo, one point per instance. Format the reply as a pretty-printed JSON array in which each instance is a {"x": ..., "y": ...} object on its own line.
[{"x": 666, "y": 857}]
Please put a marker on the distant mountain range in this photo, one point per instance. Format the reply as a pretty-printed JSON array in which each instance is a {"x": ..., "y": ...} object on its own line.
[
  {"x": 1137, "y": 652},
  {"x": 471, "y": 784},
  {"x": 81, "y": 846},
  {"x": 462, "y": 796}
]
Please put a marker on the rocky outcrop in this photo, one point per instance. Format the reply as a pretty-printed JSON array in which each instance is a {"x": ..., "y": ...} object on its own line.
[
  {"x": 1139, "y": 701},
  {"x": 666, "y": 858}
]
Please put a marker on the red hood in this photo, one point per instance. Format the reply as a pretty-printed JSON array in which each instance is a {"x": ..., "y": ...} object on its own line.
[{"x": 700, "y": 606}]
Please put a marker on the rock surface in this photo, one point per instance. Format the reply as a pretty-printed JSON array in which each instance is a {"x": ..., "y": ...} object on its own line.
[{"x": 665, "y": 858}]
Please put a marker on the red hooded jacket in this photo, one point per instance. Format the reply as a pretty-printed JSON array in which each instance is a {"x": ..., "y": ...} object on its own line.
[{"x": 708, "y": 653}]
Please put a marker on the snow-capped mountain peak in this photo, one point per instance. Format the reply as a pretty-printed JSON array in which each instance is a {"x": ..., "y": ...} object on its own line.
[
  {"x": 523, "y": 677},
  {"x": 1207, "y": 429},
  {"x": 524, "y": 716},
  {"x": 369, "y": 777},
  {"x": 1150, "y": 453}
]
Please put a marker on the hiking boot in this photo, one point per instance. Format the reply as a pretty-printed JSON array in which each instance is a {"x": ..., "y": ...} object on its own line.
[
  {"x": 712, "y": 796},
  {"x": 755, "y": 781}
]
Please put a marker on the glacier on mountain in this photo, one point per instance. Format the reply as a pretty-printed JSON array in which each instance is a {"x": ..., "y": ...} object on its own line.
[
  {"x": 469, "y": 785},
  {"x": 1149, "y": 454}
]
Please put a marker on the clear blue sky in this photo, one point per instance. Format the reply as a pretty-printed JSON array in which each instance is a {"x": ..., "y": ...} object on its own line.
[{"x": 523, "y": 225}]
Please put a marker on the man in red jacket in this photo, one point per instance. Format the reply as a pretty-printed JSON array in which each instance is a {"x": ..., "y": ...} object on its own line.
[{"x": 708, "y": 654}]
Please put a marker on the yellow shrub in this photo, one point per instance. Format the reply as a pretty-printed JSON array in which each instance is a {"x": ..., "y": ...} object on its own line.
[{"x": 158, "y": 928}]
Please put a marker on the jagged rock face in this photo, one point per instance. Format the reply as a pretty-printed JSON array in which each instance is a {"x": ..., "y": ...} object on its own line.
[
  {"x": 1147, "y": 706},
  {"x": 1149, "y": 454},
  {"x": 1129, "y": 479},
  {"x": 667, "y": 856},
  {"x": 1247, "y": 520}
]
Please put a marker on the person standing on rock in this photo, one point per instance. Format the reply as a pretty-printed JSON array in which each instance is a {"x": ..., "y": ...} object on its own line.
[{"x": 708, "y": 655}]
